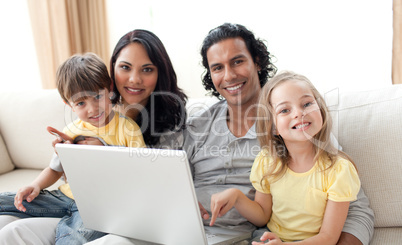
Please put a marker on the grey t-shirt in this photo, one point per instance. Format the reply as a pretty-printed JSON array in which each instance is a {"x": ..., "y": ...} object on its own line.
[{"x": 219, "y": 160}]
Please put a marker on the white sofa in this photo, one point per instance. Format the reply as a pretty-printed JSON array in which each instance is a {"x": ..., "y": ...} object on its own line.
[{"x": 367, "y": 125}]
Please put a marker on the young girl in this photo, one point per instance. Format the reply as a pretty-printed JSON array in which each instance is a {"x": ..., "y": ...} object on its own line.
[{"x": 303, "y": 183}]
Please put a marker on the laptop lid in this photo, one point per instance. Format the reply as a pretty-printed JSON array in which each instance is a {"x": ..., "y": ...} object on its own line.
[{"x": 140, "y": 193}]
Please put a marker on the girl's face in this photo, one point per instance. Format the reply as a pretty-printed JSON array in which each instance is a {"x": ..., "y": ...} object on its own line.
[
  {"x": 297, "y": 114},
  {"x": 135, "y": 75}
]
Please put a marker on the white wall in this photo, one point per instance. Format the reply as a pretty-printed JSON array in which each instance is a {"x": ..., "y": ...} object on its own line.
[
  {"x": 337, "y": 44},
  {"x": 18, "y": 63}
]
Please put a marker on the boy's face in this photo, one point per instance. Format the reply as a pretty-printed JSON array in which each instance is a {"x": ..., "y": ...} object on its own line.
[{"x": 92, "y": 107}]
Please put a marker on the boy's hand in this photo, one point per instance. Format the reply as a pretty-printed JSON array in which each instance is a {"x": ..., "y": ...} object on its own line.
[
  {"x": 68, "y": 139},
  {"x": 28, "y": 193}
]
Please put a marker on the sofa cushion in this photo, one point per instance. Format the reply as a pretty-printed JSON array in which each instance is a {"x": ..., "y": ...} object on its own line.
[
  {"x": 23, "y": 125},
  {"x": 5, "y": 162},
  {"x": 12, "y": 181},
  {"x": 367, "y": 125}
]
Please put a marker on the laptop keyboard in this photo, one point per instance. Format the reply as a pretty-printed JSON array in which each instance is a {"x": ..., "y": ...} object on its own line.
[{"x": 209, "y": 235}]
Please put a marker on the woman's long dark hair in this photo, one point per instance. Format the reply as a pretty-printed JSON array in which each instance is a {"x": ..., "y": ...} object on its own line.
[{"x": 166, "y": 108}]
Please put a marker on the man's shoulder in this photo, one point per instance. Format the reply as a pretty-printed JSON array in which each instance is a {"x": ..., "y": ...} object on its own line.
[{"x": 207, "y": 113}]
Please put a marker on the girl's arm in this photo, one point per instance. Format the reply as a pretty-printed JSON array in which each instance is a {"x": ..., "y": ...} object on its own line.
[
  {"x": 334, "y": 219},
  {"x": 257, "y": 212},
  {"x": 332, "y": 224}
]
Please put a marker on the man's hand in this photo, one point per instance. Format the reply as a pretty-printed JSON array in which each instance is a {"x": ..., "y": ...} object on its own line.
[
  {"x": 348, "y": 239},
  {"x": 28, "y": 193},
  {"x": 204, "y": 212}
]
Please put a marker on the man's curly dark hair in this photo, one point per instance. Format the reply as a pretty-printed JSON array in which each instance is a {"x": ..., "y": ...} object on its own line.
[{"x": 256, "y": 47}]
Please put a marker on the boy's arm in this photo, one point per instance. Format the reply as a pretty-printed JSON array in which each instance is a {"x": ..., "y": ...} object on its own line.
[{"x": 45, "y": 179}]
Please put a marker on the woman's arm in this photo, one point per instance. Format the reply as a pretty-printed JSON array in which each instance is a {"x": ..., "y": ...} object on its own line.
[{"x": 257, "y": 212}]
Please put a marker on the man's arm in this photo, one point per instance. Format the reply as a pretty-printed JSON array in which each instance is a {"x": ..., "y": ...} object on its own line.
[
  {"x": 359, "y": 224},
  {"x": 347, "y": 238}
]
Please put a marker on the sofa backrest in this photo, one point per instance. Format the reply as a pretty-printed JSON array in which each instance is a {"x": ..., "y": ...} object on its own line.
[
  {"x": 24, "y": 117},
  {"x": 368, "y": 127}
]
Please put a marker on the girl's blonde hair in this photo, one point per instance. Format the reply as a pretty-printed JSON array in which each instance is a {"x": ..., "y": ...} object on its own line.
[{"x": 274, "y": 145}]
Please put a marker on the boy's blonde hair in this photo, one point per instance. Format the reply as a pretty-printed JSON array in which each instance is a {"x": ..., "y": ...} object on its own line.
[
  {"x": 274, "y": 144},
  {"x": 82, "y": 74}
]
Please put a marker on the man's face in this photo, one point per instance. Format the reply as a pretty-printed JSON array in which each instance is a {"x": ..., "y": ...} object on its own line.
[{"x": 233, "y": 72}]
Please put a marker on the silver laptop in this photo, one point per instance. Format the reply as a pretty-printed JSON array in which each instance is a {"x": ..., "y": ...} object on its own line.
[{"x": 144, "y": 194}]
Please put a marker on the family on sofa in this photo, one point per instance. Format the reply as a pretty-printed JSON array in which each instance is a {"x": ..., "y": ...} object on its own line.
[{"x": 238, "y": 66}]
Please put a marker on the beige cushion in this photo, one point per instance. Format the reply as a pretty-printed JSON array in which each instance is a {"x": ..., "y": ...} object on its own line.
[
  {"x": 5, "y": 162},
  {"x": 368, "y": 127},
  {"x": 12, "y": 181},
  {"x": 23, "y": 125}
]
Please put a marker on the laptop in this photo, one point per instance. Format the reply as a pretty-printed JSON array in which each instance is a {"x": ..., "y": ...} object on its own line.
[{"x": 140, "y": 193}]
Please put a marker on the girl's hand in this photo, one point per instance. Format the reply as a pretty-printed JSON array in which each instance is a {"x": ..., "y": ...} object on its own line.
[
  {"x": 28, "y": 193},
  {"x": 222, "y": 202},
  {"x": 272, "y": 238}
]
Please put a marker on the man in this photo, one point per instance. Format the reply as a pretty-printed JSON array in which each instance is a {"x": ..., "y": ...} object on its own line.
[{"x": 221, "y": 141}]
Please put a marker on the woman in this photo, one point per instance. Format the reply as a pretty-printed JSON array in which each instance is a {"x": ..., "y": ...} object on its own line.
[
  {"x": 145, "y": 84},
  {"x": 145, "y": 89}
]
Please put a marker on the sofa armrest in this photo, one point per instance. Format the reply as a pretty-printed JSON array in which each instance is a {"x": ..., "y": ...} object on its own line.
[{"x": 6, "y": 165}]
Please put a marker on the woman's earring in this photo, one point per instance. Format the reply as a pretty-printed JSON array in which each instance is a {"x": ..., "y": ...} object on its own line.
[{"x": 112, "y": 95}]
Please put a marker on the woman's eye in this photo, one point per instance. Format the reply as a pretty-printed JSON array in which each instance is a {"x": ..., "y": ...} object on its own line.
[
  {"x": 80, "y": 103},
  {"x": 124, "y": 67},
  {"x": 283, "y": 111},
  {"x": 148, "y": 69},
  {"x": 98, "y": 97}
]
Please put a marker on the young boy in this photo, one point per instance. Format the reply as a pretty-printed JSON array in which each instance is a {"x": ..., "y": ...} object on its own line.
[{"x": 84, "y": 84}]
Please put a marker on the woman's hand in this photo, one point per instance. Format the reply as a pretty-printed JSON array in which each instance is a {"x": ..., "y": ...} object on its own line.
[{"x": 89, "y": 141}]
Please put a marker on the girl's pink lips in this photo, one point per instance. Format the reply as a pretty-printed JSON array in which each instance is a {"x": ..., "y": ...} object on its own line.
[{"x": 302, "y": 126}]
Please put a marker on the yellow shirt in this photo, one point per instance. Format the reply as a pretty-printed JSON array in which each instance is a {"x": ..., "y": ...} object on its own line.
[
  {"x": 120, "y": 131},
  {"x": 299, "y": 199}
]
